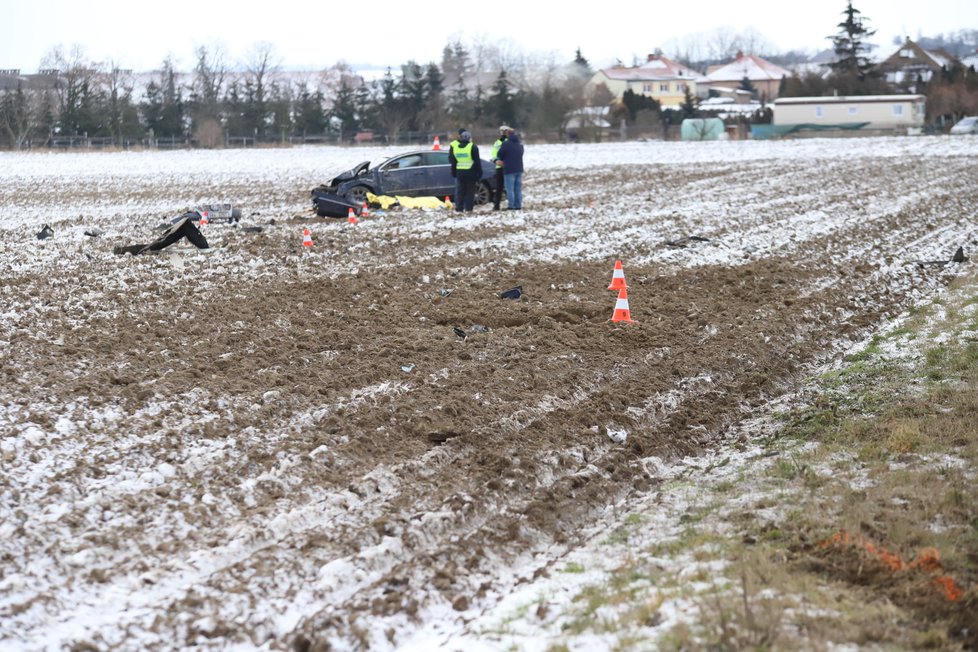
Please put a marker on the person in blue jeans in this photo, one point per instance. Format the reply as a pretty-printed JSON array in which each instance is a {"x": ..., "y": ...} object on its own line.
[{"x": 511, "y": 155}]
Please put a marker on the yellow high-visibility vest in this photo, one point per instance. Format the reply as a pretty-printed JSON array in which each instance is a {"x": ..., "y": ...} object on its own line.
[{"x": 463, "y": 156}]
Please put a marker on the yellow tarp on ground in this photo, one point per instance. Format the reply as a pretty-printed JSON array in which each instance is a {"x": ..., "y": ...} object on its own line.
[{"x": 386, "y": 202}]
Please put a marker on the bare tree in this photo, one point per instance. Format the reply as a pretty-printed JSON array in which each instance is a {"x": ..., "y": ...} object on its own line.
[
  {"x": 753, "y": 42},
  {"x": 210, "y": 78},
  {"x": 21, "y": 114},
  {"x": 722, "y": 44}
]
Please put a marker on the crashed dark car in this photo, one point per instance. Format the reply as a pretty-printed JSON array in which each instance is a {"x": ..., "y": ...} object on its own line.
[{"x": 422, "y": 173}]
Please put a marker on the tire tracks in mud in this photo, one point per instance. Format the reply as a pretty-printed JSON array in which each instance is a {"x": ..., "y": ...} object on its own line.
[{"x": 342, "y": 509}]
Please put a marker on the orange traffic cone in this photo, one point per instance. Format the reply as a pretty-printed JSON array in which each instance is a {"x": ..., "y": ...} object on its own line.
[
  {"x": 437, "y": 144},
  {"x": 351, "y": 216},
  {"x": 306, "y": 237},
  {"x": 618, "y": 278},
  {"x": 203, "y": 218},
  {"x": 448, "y": 201},
  {"x": 364, "y": 212},
  {"x": 621, "y": 308}
]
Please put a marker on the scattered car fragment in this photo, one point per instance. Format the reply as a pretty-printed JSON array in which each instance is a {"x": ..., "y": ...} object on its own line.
[
  {"x": 183, "y": 228},
  {"x": 685, "y": 241},
  {"x": 958, "y": 257},
  {"x": 329, "y": 204}
]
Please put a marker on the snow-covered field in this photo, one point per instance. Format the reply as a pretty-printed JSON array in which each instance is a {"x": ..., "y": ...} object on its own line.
[{"x": 261, "y": 446}]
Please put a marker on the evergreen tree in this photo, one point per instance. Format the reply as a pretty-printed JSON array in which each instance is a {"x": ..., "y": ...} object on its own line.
[
  {"x": 746, "y": 85},
  {"x": 234, "y": 108},
  {"x": 582, "y": 64},
  {"x": 163, "y": 108},
  {"x": 310, "y": 118},
  {"x": 636, "y": 102},
  {"x": 433, "y": 115},
  {"x": 280, "y": 105},
  {"x": 689, "y": 106},
  {"x": 500, "y": 108},
  {"x": 344, "y": 110},
  {"x": 850, "y": 46},
  {"x": 413, "y": 94},
  {"x": 76, "y": 90},
  {"x": 456, "y": 67},
  {"x": 120, "y": 119},
  {"x": 391, "y": 115}
]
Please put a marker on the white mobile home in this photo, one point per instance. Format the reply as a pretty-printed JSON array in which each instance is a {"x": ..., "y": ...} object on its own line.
[{"x": 871, "y": 111}]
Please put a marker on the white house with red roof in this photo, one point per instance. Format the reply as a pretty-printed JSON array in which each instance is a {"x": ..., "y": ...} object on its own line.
[
  {"x": 765, "y": 77},
  {"x": 659, "y": 77}
]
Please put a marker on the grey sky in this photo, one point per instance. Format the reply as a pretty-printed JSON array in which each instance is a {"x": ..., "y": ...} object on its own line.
[{"x": 314, "y": 35}]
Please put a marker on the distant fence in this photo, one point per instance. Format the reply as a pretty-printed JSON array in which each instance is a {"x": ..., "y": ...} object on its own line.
[{"x": 482, "y": 136}]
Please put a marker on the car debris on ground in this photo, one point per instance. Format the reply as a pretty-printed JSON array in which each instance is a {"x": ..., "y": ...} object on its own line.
[
  {"x": 685, "y": 241},
  {"x": 958, "y": 257},
  {"x": 512, "y": 293},
  {"x": 183, "y": 228}
]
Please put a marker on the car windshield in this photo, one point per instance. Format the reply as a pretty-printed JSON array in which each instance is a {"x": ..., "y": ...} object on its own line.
[{"x": 967, "y": 122}]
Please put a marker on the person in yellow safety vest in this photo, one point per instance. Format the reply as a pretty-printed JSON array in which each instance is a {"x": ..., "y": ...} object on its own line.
[
  {"x": 497, "y": 193},
  {"x": 463, "y": 155}
]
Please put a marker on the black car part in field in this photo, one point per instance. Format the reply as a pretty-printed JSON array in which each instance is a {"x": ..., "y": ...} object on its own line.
[
  {"x": 183, "y": 228},
  {"x": 329, "y": 204}
]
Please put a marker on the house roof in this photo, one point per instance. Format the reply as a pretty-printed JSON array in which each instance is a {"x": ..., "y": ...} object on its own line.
[
  {"x": 657, "y": 67},
  {"x": 919, "y": 57},
  {"x": 750, "y": 66}
]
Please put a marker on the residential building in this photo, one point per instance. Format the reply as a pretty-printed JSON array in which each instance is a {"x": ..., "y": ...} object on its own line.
[
  {"x": 970, "y": 61},
  {"x": 764, "y": 77},
  {"x": 659, "y": 77},
  {"x": 912, "y": 64}
]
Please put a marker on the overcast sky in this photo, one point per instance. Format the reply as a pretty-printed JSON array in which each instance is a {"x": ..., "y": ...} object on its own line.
[{"x": 314, "y": 35}]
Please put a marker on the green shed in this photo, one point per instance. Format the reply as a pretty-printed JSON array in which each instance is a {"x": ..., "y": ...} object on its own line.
[{"x": 702, "y": 129}]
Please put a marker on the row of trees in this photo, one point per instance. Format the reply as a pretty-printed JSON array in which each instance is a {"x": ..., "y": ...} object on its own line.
[
  {"x": 482, "y": 85},
  {"x": 73, "y": 96}
]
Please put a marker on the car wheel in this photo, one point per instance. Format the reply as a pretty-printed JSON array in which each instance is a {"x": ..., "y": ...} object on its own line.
[
  {"x": 483, "y": 194},
  {"x": 358, "y": 194}
]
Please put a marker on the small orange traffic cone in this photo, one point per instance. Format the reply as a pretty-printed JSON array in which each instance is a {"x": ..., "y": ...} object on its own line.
[
  {"x": 203, "y": 218},
  {"x": 364, "y": 212},
  {"x": 351, "y": 216},
  {"x": 618, "y": 278},
  {"x": 437, "y": 145},
  {"x": 621, "y": 308},
  {"x": 306, "y": 237}
]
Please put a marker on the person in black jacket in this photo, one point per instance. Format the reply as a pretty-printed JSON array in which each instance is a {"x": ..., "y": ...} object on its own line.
[
  {"x": 511, "y": 155},
  {"x": 463, "y": 155},
  {"x": 497, "y": 193}
]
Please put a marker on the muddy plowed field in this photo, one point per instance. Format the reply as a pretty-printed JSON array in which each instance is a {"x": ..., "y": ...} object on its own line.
[{"x": 270, "y": 445}]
